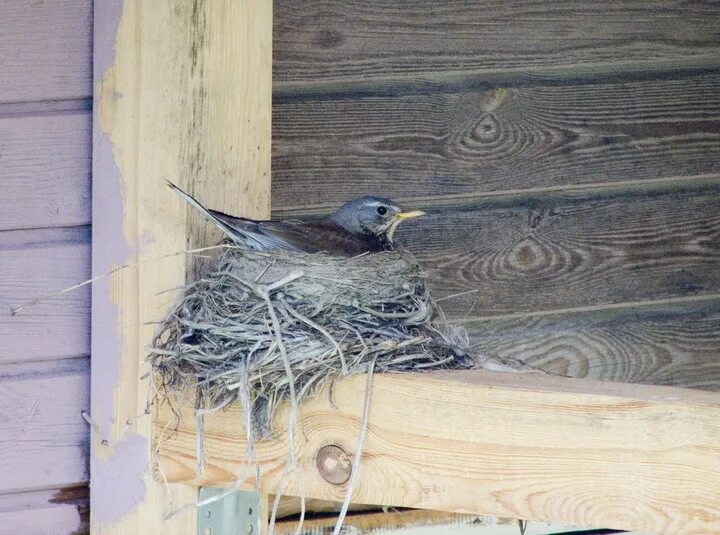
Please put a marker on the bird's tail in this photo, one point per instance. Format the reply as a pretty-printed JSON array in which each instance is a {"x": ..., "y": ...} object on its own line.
[{"x": 227, "y": 229}]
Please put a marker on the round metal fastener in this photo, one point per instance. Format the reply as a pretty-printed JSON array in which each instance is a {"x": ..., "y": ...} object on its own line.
[{"x": 334, "y": 465}]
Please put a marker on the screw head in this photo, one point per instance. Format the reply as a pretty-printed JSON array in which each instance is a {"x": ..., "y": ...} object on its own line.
[{"x": 334, "y": 465}]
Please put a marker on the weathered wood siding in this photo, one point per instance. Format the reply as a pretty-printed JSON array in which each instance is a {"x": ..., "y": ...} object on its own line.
[
  {"x": 45, "y": 142},
  {"x": 567, "y": 153}
]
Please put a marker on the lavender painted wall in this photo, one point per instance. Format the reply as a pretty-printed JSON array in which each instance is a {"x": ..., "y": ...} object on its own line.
[
  {"x": 45, "y": 167},
  {"x": 45, "y": 49},
  {"x": 45, "y": 154}
]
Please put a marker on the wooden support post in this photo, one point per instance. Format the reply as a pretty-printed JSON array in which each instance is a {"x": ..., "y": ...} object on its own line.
[
  {"x": 513, "y": 445},
  {"x": 182, "y": 92}
]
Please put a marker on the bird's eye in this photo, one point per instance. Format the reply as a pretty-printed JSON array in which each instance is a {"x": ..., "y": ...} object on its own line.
[{"x": 381, "y": 210}]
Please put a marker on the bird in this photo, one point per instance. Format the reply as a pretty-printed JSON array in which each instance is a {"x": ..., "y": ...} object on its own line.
[{"x": 364, "y": 225}]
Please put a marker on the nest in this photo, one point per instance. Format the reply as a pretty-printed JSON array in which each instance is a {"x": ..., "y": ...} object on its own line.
[{"x": 263, "y": 328}]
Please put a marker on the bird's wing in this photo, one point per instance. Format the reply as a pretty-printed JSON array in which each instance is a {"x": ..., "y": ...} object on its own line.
[
  {"x": 296, "y": 236},
  {"x": 236, "y": 228},
  {"x": 329, "y": 237},
  {"x": 259, "y": 235},
  {"x": 266, "y": 235}
]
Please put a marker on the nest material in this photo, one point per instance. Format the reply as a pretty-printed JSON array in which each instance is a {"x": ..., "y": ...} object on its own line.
[{"x": 234, "y": 331}]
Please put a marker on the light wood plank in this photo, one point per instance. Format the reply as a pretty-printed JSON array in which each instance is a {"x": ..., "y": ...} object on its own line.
[
  {"x": 512, "y": 445},
  {"x": 476, "y": 142},
  {"x": 45, "y": 171},
  {"x": 663, "y": 344},
  {"x": 331, "y": 42},
  {"x": 46, "y": 50},
  {"x": 35, "y": 263},
  {"x": 552, "y": 252},
  {"x": 183, "y": 93},
  {"x": 44, "y": 438}
]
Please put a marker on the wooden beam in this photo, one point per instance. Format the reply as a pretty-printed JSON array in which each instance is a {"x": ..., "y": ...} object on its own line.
[
  {"x": 526, "y": 446},
  {"x": 182, "y": 92}
]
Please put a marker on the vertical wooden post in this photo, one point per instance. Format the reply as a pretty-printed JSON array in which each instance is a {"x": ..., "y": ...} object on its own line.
[{"x": 182, "y": 92}]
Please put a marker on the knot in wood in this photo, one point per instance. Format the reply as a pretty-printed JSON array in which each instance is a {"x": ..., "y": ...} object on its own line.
[{"x": 334, "y": 464}]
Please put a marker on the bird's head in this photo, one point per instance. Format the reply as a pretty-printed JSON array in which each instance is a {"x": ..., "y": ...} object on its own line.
[{"x": 372, "y": 216}]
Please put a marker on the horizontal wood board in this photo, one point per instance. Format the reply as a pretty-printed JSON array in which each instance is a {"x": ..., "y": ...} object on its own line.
[
  {"x": 537, "y": 447},
  {"x": 34, "y": 263},
  {"x": 45, "y": 169},
  {"x": 45, "y": 50},
  {"x": 663, "y": 344},
  {"x": 472, "y": 143},
  {"x": 356, "y": 42},
  {"x": 526, "y": 254},
  {"x": 45, "y": 439},
  {"x": 61, "y": 511}
]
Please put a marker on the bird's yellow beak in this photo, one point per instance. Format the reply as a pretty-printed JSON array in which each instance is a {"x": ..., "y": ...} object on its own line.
[{"x": 409, "y": 215}]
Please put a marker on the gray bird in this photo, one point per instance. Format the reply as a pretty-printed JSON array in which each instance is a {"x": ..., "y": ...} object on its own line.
[{"x": 364, "y": 225}]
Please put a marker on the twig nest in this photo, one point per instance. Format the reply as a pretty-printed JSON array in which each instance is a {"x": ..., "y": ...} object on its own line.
[{"x": 225, "y": 338}]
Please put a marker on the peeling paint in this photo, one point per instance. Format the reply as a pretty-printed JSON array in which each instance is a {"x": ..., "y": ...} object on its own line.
[
  {"x": 120, "y": 476},
  {"x": 120, "y": 473}
]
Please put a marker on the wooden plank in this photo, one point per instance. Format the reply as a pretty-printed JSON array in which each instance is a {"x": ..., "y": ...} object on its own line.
[
  {"x": 477, "y": 142},
  {"x": 43, "y": 435},
  {"x": 663, "y": 344},
  {"x": 45, "y": 171},
  {"x": 529, "y": 254},
  {"x": 330, "y": 42},
  {"x": 46, "y": 50},
  {"x": 34, "y": 263},
  {"x": 423, "y": 522},
  {"x": 513, "y": 445},
  {"x": 184, "y": 93},
  {"x": 373, "y": 520},
  {"x": 53, "y": 511}
]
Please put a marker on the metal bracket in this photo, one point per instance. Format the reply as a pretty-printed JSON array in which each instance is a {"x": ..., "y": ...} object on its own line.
[{"x": 238, "y": 513}]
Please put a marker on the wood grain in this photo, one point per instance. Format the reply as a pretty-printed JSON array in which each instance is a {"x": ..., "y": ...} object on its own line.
[
  {"x": 514, "y": 445},
  {"x": 555, "y": 252},
  {"x": 45, "y": 170},
  {"x": 478, "y": 142},
  {"x": 46, "y": 50},
  {"x": 668, "y": 344},
  {"x": 331, "y": 42},
  {"x": 183, "y": 93},
  {"x": 44, "y": 438},
  {"x": 34, "y": 263}
]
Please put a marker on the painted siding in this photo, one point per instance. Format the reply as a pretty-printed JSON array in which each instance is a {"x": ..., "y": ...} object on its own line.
[
  {"x": 45, "y": 50},
  {"x": 44, "y": 438},
  {"x": 51, "y": 152},
  {"x": 44, "y": 512},
  {"x": 45, "y": 142},
  {"x": 39, "y": 262}
]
